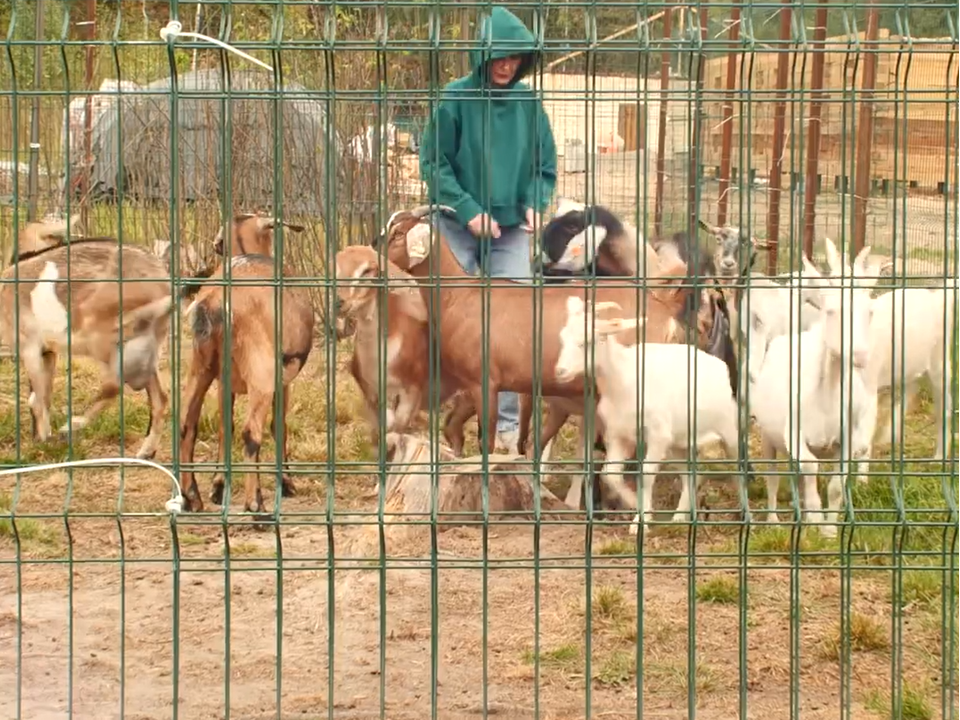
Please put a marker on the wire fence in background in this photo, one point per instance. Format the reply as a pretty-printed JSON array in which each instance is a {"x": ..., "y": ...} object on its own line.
[{"x": 796, "y": 123}]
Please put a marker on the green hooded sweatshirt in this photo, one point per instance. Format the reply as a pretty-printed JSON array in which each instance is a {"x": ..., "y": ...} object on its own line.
[{"x": 491, "y": 149}]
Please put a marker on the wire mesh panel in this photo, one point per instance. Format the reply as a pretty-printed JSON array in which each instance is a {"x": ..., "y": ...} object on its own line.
[{"x": 337, "y": 366}]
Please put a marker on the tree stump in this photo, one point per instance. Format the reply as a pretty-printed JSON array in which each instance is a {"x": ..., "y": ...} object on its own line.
[{"x": 512, "y": 486}]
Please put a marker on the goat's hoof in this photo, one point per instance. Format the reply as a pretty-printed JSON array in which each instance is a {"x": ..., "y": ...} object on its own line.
[
  {"x": 287, "y": 487},
  {"x": 147, "y": 454},
  {"x": 772, "y": 517},
  {"x": 828, "y": 531},
  {"x": 681, "y": 517},
  {"x": 216, "y": 495}
]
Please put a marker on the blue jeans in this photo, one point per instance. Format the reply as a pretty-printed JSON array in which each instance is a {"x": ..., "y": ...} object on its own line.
[{"x": 509, "y": 257}]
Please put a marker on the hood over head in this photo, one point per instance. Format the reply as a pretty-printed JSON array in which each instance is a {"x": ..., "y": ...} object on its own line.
[{"x": 502, "y": 34}]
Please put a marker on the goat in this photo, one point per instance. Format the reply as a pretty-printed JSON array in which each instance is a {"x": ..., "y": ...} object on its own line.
[
  {"x": 511, "y": 362},
  {"x": 799, "y": 408},
  {"x": 91, "y": 318},
  {"x": 252, "y": 357},
  {"x": 581, "y": 238},
  {"x": 402, "y": 333},
  {"x": 35, "y": 237},
  {"x": 666, "y": 400},
  {"x": 903, "y": 351},
  {"x": 705, "y": 311}
]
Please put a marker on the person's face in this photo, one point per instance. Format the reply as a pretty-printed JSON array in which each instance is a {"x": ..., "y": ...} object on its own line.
[{"x": 502, "y": 70}]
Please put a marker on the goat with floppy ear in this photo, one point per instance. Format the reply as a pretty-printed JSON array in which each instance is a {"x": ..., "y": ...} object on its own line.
[
  {"x": 253, "y": 356},
  {"x": 251, "y": 234}
]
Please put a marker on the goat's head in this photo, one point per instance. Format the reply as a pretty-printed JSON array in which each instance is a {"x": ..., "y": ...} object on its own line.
[
  {"x": 41, "y": 235},
  {"x": 572, "y": 239},
  {"x": 358, "y": 267},
  {"x": 581, "y": 330},
  {"x": 406, "y": 237},
  {"x": 846, "y": 306},
  {"x": 731, "y": 244},
  {"x": 251, "y": 235}
]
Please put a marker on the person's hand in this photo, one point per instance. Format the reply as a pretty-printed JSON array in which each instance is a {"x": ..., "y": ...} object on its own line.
[
  {"x": 531, "y": 216},
  {"x": 477, "y": 224}
]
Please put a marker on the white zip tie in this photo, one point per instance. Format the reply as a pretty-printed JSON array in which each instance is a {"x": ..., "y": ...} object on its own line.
[
  {"x": 173, "y": 506},
  {"x": 174, "y": 29}
]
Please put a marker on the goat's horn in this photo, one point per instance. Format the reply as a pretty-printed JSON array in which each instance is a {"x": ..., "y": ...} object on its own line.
[
  {"x": 607, "y": 305},
  {"x": 706, "y": 226},
  {"x": 424, "y": 210}
]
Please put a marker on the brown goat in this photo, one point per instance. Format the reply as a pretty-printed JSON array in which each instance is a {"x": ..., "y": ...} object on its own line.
[
  {"x": 252, "y": 356},
  {"x": 91, "y": 320},
  {"x": 511, "y": 306},
  {"x": 401, "y": 335}
]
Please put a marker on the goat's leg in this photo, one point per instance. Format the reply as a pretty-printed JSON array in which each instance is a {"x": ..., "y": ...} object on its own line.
[
  {"x": 769, "y": 452},
  {"x": 109, "y": 390},
  {"x": 198, "y": 383},
  {"x": 809, "y": 467},
  {"x": 861, "y": 445},
  {"x": 942, "y": 409},
  {"x": 463, "y": 410},
  {"x": 226, "y": 415},
  {"x": 252, "y": 434},
  {"x": 287, "y": 486},
  {"x": 158, "y": 407},
  {"x": 650, "y": 466},
  {"x": 685, "y": 503},
  {"x": 40, "y": 373},
  {"x": 490, "y": 428},
  {"x": 526, "y": 415}
]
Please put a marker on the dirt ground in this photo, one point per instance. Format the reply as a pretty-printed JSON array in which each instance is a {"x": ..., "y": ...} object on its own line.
[{"x": 104, "y": 629}]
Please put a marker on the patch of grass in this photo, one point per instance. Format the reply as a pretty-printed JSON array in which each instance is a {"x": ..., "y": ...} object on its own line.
[
  {"x": 29, "y": 530},
  {"x": 247, "y": 549},
  {"x": 189, "y": 539},
  {"x": 777, "y": 543},
  {"x": 566, "y": 658},
  {"x": 616, "y": 669},
  {"x": 720, "y": 589},
  {"x": 866, "y": 635},
  {"x": 676, "y": 677},
  {"x": 617, "y": 546},
  {"x": 914, "y": 706},
  {"x": 610, "y": 605},
  {"x": 922, "y": 587}
]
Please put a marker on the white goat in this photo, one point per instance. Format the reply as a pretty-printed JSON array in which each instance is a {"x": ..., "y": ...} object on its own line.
[
  {"x": 768, "y": 309},
  {"x": 799, "y": 407},
  {"x": 667, "y": 406},
  {"x": 906, "y": 343}
]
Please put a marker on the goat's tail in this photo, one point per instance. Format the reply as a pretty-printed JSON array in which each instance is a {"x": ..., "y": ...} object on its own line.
[{"x": 145, "y": 316}]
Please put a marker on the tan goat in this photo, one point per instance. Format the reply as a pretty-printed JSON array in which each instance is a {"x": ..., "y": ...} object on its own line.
[
  {"x": 252, "y": 356},
  {"x": 512, "y": 318},
  {"x": 397, "y": 341},
  {"x": 57, "y": 312}
]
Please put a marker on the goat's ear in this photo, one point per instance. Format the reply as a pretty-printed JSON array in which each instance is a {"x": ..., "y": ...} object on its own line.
[
  {"x": 617, "y": 325},
  {"x": 809, "y": 269},
  {"x": 860, "y": 261},
  {"x": 418, "y": 242},
  {"x": 834, "y": 261}
]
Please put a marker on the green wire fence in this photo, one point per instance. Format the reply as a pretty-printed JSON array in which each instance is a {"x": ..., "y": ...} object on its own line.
[{"x": 792, "y": 122}]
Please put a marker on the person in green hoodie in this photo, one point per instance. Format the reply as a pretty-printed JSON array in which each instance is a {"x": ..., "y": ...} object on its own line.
[{"x": 488, "y": 153}]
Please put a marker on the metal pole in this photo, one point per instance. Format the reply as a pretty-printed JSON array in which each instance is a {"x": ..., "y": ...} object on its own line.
[
  {"x": 662, "y": 126},
  {"x": 33, "y": 179},
  {"x": 91, "y": 27},
  {"x": 861, "y": 193},
  {"x": 727, "y": 135},
  {"x": 693, "y": 169},
  {"x": 779, "y": 126},
  {"x": 811, "y": 187}
]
